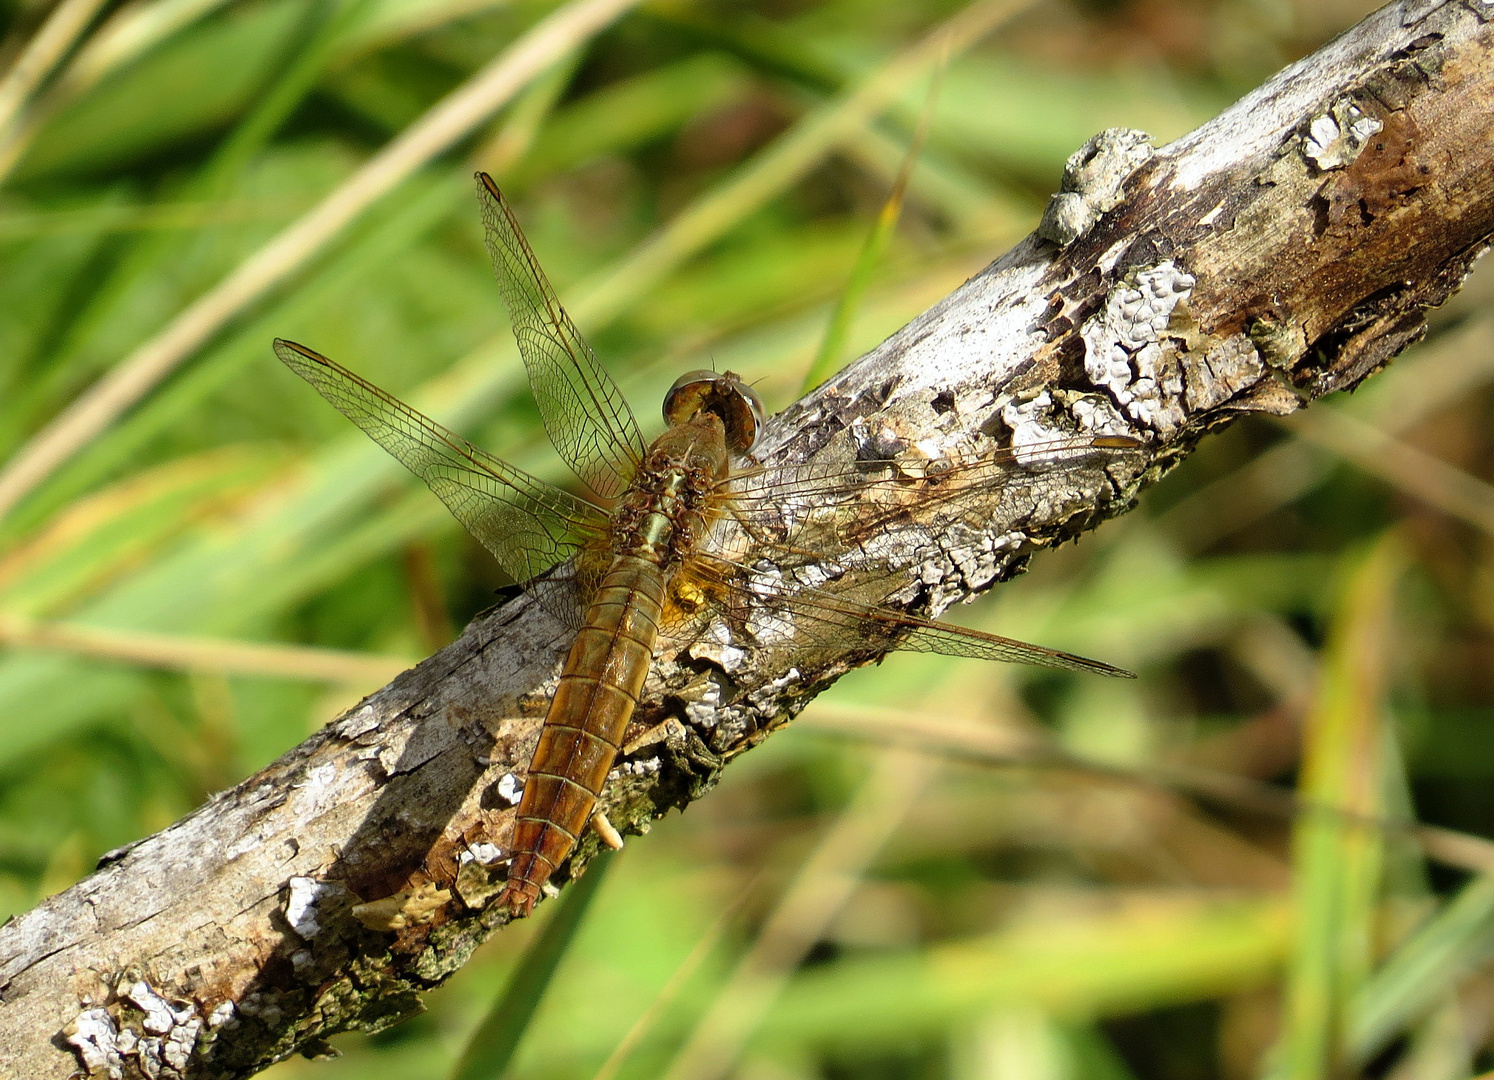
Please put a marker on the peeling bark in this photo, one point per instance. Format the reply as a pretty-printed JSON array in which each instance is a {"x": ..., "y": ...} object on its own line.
[{"x": 1285, "y": 250}]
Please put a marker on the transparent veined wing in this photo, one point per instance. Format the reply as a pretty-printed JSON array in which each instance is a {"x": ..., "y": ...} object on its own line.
[
  {"x": 527, "y": 524},
  {"x": 585, "y": 414},
  {"x": 818, "y": 506},
  {"x": 782, "y": 613},
  {"x": 820, "y": 548}
]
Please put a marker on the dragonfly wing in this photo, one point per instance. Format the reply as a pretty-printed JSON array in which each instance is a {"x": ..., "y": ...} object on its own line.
[
  {"x": 815, "y": 508},
  {"x": 527, "y": 524},
  {"x": 868, "y": 525},
  {"x": 950, "y": 640},
  {"x": 585, "y": 414},
  {"x": 803, "y": 617}
]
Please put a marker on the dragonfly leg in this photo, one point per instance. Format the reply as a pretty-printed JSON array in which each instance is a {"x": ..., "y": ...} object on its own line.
[
  {"x": 607, "y": 831},
  {"x": 745, "y": 525}
]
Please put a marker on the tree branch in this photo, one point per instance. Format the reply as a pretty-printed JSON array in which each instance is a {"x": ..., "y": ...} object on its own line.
[{"x": 1287, "y": 249}]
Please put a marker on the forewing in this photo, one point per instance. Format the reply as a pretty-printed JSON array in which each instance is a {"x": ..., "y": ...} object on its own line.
[
  {"x": 827, "y": 545},
  {"x": 817, "y": 507},
  {"x": 585, "y": 414},
  {"x": 527, "y": 524}
]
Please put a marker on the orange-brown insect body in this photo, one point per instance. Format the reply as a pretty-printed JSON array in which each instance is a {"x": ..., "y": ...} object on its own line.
[{"x": 654, "y": 528}]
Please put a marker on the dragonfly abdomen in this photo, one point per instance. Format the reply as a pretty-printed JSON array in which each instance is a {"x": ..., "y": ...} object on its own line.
[{"x": 583, "y": 732}]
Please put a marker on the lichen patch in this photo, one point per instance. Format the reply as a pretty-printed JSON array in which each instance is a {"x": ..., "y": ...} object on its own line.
[
  {"x": 1124, "y": 351},
  {"x": 142, "y": 1033},
  {"x": 1337, "y": 136},
  {"x": 94, "y": 1036},
  {"x": 304, "y": 900},
  {"x": 715, "y": 646},
  {"x": 510, "y": 788},
  {"x": 1093, "y": 183}
]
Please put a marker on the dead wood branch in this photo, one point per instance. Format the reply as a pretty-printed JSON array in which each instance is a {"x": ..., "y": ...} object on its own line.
[{"x": 1285, "y": 250}]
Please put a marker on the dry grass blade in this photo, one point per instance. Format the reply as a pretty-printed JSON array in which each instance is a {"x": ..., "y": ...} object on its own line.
[
  {"x": 817, "y": 894},
  {"x": 522, "y": 124},
  {"x": 1411, "y": 470},
  {"x": 174, "y": 652},
  {"x": 126, "y": 34},
  {"x": 987, "y": 744},
  {"x": 42, "y": 54},
  {"x": 454, "y": 117}
]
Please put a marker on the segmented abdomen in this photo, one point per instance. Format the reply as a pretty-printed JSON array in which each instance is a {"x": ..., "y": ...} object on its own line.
[{"x": 583, "y": 732}]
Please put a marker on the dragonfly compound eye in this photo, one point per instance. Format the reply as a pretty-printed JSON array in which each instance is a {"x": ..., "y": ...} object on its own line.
[{"x": 724, "y": 394}]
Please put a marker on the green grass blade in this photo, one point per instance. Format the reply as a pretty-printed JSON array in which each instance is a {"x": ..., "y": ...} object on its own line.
[
  {"x": 491, "y": 1046},
  {"x": 1336, "y": 863},
  {"x": 1458, "y": 938},
  {"x": 309, "y": 49},
  {"x": 652, "y": 1016},
  {"x": 1142, "y": 957},
  {"x": 631, "y": 113},
  {"x": 832, "y": 346},
  {"x": 300, "y": 56},
  {"x": 426, "y": 201},
  {"x": 266, "y": 271},
  {"x": 827, "y": 360},
  {"x": 788, "y": 158},
  {"x": 188, "y": 86}
]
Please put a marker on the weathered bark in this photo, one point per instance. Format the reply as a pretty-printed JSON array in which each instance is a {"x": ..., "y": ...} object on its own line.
[{"x": 1285, "y": 250}]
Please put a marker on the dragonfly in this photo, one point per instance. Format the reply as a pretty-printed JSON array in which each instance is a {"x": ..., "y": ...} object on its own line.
[{"x": 688, "y": 530}]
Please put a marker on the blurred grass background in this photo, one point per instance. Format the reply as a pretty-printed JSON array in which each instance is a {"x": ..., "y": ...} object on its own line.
[{"x": 1308, "y": 603}]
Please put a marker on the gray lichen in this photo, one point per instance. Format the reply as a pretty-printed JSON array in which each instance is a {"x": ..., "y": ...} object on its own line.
[
  {"x": 1124, "y": 348},
  {"x": 1337, "y": 136},
  {"x": 1093, "y": 183},
  {"x": 142, "y": 1033},
  {"x": 1224, "y": 370}
]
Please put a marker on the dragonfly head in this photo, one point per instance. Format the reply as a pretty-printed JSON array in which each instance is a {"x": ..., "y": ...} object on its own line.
[{"x": 724, "y": 394}]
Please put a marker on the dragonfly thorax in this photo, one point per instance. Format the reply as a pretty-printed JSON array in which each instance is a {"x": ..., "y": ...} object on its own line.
[{"x": 666, "y": 511}]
